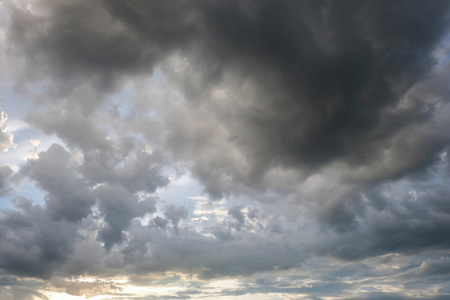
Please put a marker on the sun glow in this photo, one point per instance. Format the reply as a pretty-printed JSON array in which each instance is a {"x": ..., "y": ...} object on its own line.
[
  {"x": 94, "y": 289},
  {"x": 63, "y": 296}
]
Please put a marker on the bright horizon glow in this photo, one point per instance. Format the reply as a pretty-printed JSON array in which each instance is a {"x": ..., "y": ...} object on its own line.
[{"x": 64, "y": 296}]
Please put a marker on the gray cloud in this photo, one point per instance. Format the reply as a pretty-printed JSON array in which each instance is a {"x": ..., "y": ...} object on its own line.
[
  {"x": 124, "y": 162},
  {"x": 273, "y": 110},
  {"x": 111, "y": 39},
  {"x": 279, "y": 63},
  {"x": 119, "y": 207},
  {"x": 330, "y": 118},
  {"x": 5, "y": 174},
  {"x": 237, "y": 214},
  {"x": 25, "y": 294},
  {"x": 175, "y": 215},
  {"x": 437, "y": 267},
  {"x": 69, "y": 196},
  {"x": 191, "y": 252},
  {"x": 32, "y": 243},
  {"x": 12, "y": 288}
]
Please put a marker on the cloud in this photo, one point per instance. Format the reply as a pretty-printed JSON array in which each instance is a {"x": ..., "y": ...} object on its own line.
[
  {"x": 87, "y": 288},
  {"x": 69, "y": 196},
  {"x": 119, "y": 207},
  {"x": 321, "y": 127},
  {"x": 5, "y": 176},
  {"x": 175, "y": 214},
  {"x": 267, "y": 105},
  {"x": 255, "y": 101},
  {"x": 110, "y": 40},
  {"x": 34, "y": 142},
  {"x": 32, "y": 244},
  {"x": 438, "y": 267},
  {"x": 236, "y": 213},
  {"x": 6, "y": 138},
  {"x": 11, "y": 294}
]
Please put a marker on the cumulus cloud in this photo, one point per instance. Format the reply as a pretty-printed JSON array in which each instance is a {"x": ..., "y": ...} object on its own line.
[
  {"x": 119, "y": 207},
  {"x": 267, "y": 104},
  {"x": 32, "y": 243},
  {"x": 256, "y": 100},
  {"x": 6, "y": 138},
  {"x": 175, "y": 214},
  {"x": 320, "y": 129},
  {"x": 68, "y": 194}
]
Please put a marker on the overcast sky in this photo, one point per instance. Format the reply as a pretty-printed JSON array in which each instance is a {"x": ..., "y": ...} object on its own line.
[{"x": 224, "y": 149}]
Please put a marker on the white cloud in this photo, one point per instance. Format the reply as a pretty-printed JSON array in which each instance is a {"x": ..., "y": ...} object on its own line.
[
  {"x": 35, "y": 142},
  {"x": 6, "y": 138}
]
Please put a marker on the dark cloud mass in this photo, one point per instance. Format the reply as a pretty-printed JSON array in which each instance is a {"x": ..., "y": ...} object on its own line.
[
  {"x": 119, "y": 207},
  {"x": 32, "y": 244},
  {"x": 68, "y": 196},
  {"x": 318, "y": 131}
]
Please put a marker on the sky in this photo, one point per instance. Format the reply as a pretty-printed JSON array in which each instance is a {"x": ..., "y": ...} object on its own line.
[{"x": 252, "y": 149}]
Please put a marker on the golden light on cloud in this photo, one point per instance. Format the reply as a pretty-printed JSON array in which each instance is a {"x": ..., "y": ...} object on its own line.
[{"x": 97, "y": 289}]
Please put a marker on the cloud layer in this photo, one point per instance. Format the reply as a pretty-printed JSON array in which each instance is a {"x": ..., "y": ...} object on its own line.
[{"x": 317, "y": 131}]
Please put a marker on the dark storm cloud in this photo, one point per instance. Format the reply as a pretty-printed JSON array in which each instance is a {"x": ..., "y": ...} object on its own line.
[
  {"x": 32, "y": 243},
  {"x": 315, "y": 106},
  {"x": 408, "y": 223},
  {"x": 325, "y": 79},
  {"x": 309, "y": 83},
  {"x": 101, "y": 40}
]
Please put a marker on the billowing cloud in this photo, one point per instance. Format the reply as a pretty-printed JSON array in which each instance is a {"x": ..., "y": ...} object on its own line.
[
  {"x": 68, "y": 196},
  {"x": 6, "y": 138},
  {"x": 277, "y": 142},
  {"x": 33, "y": 244},
  {"x": 119, "y": 207}
]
